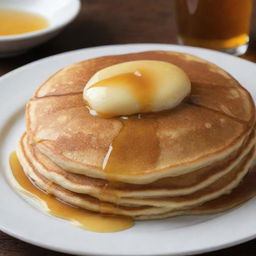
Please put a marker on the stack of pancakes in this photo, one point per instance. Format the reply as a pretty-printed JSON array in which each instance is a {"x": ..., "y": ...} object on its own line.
[{"x": 193, "y": 159}]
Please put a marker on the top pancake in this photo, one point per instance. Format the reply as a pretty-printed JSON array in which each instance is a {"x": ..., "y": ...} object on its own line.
[
  {"x": 230, "y": 98},
  {"x": 209, "y": 126}
]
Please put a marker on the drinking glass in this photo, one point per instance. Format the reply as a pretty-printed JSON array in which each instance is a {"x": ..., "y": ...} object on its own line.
[{"x": 216, "y": 24}]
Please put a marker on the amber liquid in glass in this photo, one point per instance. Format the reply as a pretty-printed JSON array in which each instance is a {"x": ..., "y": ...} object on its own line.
[{"x": 215, "y": 24}]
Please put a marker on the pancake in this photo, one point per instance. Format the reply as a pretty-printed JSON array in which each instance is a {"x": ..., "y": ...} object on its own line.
[
  {"x": 203, "y": 75},
  {"x": 192, "y": 159},
  {"x": 221, "y": 186},
  {"x": 109, "y": 191},
  {"x": 93, "y": 204},
  {"x": 218, "y": 188},
  {"x": 245, "y": 191},
  {"x": 75, "y": 199},
  {"x": 62, "y": 128}
]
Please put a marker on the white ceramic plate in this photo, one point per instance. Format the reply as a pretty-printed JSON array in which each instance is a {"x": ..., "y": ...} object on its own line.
[{"x": 173, "y": 236}]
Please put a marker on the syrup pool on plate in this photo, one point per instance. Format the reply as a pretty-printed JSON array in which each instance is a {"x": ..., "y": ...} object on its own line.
[{"x": 79, "y": 217}]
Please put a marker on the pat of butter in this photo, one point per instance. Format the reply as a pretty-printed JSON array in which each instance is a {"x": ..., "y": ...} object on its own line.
[{"x": 136, "y": 87}]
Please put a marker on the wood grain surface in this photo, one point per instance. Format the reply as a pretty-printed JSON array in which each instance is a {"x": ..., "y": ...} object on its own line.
[{"x": 103, "y": 22}]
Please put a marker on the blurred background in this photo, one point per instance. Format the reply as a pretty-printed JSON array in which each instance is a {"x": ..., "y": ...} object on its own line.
[{"x": 102, "y": 22}]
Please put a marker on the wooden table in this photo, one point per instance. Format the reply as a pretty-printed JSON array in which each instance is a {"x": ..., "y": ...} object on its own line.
[{"x": 102, "y": 22}]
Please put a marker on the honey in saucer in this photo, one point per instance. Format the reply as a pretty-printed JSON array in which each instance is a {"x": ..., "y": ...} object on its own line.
[{"x": 14, "y": 22}]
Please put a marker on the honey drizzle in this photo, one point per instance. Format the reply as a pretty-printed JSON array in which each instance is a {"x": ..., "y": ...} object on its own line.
[
  {"x": 13, "y": 22},
  {"x": 79, "y": 217},
  {"x": 135, "y": 148},
  {"x": 138, "y": 83}
]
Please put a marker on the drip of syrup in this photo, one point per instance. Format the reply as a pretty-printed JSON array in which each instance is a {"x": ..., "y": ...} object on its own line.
[
  {"x": 79, "y": 217},
  {"x": 135, "y": 148}
]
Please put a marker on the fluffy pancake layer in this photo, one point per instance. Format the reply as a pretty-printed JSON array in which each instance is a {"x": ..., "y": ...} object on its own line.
[
  {"x": 143, "y": 208},
  {"x": 110, "y": 191}
]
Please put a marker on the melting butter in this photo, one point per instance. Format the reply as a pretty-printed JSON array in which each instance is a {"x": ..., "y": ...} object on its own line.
[
  {"x": 136, "y": 87},
  {"x": 79, "y": 217}
]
